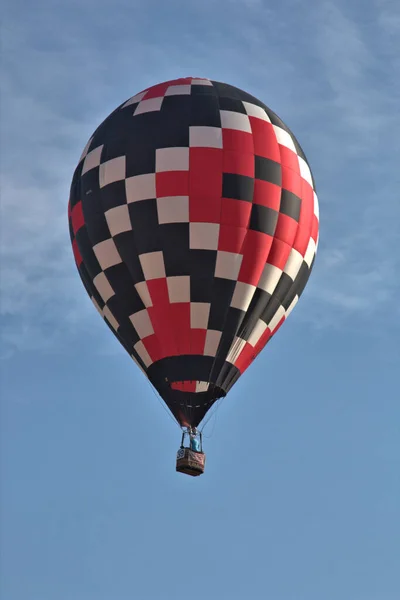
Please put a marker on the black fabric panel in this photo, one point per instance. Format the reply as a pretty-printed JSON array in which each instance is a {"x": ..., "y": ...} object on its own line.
[
  {"x": 290, "y": 205},
  {"x": 238, "y": 187},
  {"x": 137, "y": 137},
  {"x": 268, "y": 170}
]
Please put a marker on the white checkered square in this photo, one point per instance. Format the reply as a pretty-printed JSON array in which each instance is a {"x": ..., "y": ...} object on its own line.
[
  {"x": 152, "y": 265},
  {"x": 178, "y": 288},
  {"x": 284, "y": 138},
  {"x": 242, "y": 295},
  {"x": 173, "y": 209},
  {"x": 310, "y": 252},
  {"x": 143, "y": 291},
  {"x": 202, "y": 386},
  {"x": 292, "y": 305},
  {"x": 97, "y": 307},
  {"x": 85, "y": 150},
  {"x": 118, "y": 219},
  {"x": 142, "y": 323},
  {"x": 236, "y": 348},
  {"x": 293, "y": 264},
  {"x": 228, "y": 265},
  {"x": 135, "y": 99},
  {"x": 256, "y": 111},
  {"x": 257, "y": 332},
  {"x": 150, "y": 105},
  {"x": 112, "y": 170},
  {"x": 305, "y": 171},
  {"x": 172, "y": 159},
  {"x": 212, "y": 342},
  {"x": 199, "y": 315},
  {"x": 107, "y": 254},
  {"x": 179, "y": 90},
  {"x": 203, "y": 236},
  {"x": 140, "y": 187},
  {"x": 103, "y": 286},
  {"x": 205, "y": 137},
  {"x": 269, "y": 278},
  {"x": 316, "y": 206},
  {"x": 272, "y": 325},
  {"x": 234, "y": 120},
  {"x": 92, "y": 159},
  {"x": 201, "y": 82},
  {"x": 143, "y": 354}
]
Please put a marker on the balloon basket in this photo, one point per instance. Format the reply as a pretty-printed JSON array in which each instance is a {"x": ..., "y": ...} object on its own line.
[{"x": 190, "y": 462}]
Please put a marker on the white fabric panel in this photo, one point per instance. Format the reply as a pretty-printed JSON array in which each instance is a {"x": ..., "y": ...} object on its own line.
[
  {"x": 152, "y": 265},
  {"x": 242, "y": 295},
  {"x": 234, "y": 120},
  {"x": 293, "y": 263},
  {"x": 284, "y": 138},
  {"x": 149, "y": 105},
  {"x": 173, "y": 209},
  {"x": 205, "y": 137},
  {"x": 103, "y": 286},
  {"x": 212, "y": 341},
  {"x": 112, "y": 170},
  {"x": 118, "y": 219},
  {"x": 107, "y": 254},
  {"x": 92, "y": 159},
  {"x": 256, "y": 111},
  {"x": 199, "y": 315},
  {"x": 140, "y": 187},
  {"x": 203, "y": 236},
  {"x": 144, "y": 355},
  {"x": 228, "y": 265},
  {"x": 144, "y": 293},
  {"x": 179, "y": 288},
  {"x": 269, "y": 278},
  {"x": 172, "y": 159},
  {"x": 142, "y": 323},
  {"x": 257, "y": 332}
]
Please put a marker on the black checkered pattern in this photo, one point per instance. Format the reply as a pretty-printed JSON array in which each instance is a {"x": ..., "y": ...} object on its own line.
[{"x": 194, "y": 222}]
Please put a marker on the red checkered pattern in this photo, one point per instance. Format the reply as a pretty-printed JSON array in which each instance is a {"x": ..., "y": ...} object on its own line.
[{"x": 194, "y": 226}]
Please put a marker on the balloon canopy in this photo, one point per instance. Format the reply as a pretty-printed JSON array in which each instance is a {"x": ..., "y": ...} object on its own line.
[{"x": 194, "y": 225}]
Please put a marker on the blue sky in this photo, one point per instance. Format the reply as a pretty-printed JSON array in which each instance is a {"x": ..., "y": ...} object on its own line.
[{"x": 300, "y": 500}]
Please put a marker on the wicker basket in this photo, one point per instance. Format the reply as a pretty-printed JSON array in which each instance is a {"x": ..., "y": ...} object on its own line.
[{"x": 190, "y": 462}]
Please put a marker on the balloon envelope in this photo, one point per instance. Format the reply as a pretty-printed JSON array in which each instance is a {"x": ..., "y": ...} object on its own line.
[{"x": 194, "y": 224}]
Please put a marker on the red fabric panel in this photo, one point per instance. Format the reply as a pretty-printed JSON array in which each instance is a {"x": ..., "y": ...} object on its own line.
[
  {"x": 289, "y": 159},
  {"x": 286, "y": 229},
  {"x": 306, "y": 219},
  {"x": 279, "y": 254},
  {"x": 237, "y": 140},
  {"x": 264, "y": 139},
  {"x": 231, "y": 238},
  {"x": 255, "y": 252},
  {"x": 235, "y": 212},
  {"x": 205, "y": 171},
  {"x": 77, "y": 217},
  {"x": 267, "y": 194},
  {"x": 204, "y": 209},
  {"x": 172, "y": 183},
  {"x": 238, "y": 162}
]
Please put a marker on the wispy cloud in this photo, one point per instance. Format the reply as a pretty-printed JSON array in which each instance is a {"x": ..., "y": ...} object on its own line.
[{"x": 356, "y": 153}]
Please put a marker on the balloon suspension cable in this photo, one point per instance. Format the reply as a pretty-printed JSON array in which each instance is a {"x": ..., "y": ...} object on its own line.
[
  {"x": 163, "y": 405},
  {"x": 212, "y": 414}
]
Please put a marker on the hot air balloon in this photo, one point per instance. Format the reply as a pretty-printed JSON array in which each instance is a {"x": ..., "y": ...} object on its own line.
[{"x": 194, "y": 223}]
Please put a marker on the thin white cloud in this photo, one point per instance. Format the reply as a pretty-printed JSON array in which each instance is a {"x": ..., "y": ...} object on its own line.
[{"x": 355, "y": 167}]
